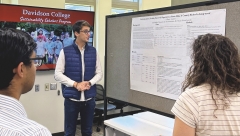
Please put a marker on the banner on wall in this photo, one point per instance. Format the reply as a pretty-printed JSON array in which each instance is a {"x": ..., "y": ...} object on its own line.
[{"x": 50, "y": 28}]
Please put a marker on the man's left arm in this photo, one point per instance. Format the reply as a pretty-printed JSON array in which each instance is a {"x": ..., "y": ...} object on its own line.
[{"x": 98, "y": 72}]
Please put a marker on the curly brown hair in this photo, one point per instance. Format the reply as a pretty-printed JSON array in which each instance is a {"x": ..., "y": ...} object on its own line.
[{"x": 215, "y": 62}]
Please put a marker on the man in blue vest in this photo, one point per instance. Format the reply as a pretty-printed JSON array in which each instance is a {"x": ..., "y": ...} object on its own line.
[{"x": 78, "y": 69}]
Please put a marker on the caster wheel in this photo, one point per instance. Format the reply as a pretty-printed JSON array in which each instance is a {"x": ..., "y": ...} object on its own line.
[{"x": 98, "y": 129}]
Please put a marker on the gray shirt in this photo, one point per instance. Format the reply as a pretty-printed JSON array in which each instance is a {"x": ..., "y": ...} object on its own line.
[{"x": 67, "y": 41}]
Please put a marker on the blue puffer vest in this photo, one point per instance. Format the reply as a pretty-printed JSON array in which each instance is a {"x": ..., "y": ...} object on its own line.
[{"x": 73, "y": 70}]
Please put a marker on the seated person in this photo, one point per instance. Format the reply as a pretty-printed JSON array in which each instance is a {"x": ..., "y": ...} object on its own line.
[
  {"x": 209, "y": 104},
  {"x": 50, "y": 48},
  {"x": 17, "y": 75}
]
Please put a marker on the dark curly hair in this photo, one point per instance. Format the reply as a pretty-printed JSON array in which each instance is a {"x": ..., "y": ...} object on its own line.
[{"x": 215, "y": 62}]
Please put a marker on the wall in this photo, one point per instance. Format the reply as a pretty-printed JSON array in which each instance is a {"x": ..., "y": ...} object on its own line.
[
  {"x": 152, "y": 4},
  {"x": 38, "y": 3},
  {"x": 6, "y": 1},
  {"x": 45, "y": 107},
  {"x": 43, "y": 3},
  {"x": 102, "y": 8},
  {"x": 182, "y": 2}
]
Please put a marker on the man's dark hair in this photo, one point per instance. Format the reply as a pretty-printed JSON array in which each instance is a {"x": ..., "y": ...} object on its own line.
[
  {"x": 15, "y": 46},
  {"x": 78, "y": 26}
]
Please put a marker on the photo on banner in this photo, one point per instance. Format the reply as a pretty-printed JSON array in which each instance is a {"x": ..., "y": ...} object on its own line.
[{"x": 50, "y": 28}]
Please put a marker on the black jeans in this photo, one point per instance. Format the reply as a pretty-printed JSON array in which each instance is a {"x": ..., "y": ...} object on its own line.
[{"x": 71, "y": 110}]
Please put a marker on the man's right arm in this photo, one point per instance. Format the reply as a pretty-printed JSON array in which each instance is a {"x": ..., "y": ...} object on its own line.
[{"x": 59, "y": 70}]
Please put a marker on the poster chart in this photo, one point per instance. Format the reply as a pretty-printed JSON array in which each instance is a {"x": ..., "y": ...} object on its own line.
[{"x": 161, "y": 49}]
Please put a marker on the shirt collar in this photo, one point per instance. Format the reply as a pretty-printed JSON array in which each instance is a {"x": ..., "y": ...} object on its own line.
[
  {"x": 83, "y": 48},
  {"x": 12, "y": 106}
]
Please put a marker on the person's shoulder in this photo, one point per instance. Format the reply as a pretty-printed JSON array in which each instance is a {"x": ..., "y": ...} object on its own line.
[
  {"x": 91, "y": 47},
  {"x": 198, "y": 91},
  {"x": 68, "y": 47},
  {"x": 35, "y": 128},
  {"x": 203, "y": 88},
  {"x": 26, "y": 126}
]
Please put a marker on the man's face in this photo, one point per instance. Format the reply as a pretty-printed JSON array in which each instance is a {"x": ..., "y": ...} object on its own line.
[
  {"x": 84, "y": 34},
  {"x": 66, "y": 35},
  {"x": 29, "y": 75},
  {"x": 62, "y": 36}
]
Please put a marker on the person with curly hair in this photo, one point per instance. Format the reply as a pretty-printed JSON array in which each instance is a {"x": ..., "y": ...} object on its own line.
[{"x": 209, "y": 104}]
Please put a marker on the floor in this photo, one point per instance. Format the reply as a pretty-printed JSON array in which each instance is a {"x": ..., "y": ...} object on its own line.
[{"x": 95, "y": 133}]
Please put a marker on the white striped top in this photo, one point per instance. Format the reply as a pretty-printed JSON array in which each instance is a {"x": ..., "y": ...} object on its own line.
[
  {"x": 195, "y": 107},
  {"x": 14, "y": 121}
]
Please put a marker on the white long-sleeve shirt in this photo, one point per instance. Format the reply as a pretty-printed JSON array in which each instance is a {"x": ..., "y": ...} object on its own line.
[
  {"x": 63, "y": 79},
  {"x": 14, "y": 121}
]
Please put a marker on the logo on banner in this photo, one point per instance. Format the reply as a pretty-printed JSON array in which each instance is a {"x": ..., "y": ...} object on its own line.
[{"x": 45, "y": 17}]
